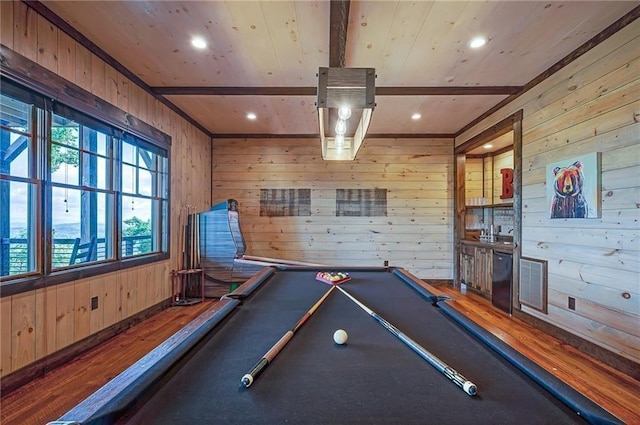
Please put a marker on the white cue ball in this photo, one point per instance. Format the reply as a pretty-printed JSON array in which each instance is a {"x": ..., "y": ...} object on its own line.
[{"x": 340, "y": 336}]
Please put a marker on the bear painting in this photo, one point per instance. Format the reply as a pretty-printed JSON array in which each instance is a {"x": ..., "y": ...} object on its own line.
[
  {"x": 573, "y": 187},
  {"x": 568, "y": 200}
]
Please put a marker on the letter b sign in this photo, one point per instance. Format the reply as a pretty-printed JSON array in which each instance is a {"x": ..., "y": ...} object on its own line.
[{"x": 507, "y": 183}]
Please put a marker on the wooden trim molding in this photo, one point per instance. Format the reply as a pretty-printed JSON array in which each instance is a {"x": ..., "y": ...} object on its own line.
[
  {"x": 234, "y": 91},
  {"x": 31, "y": 283},
  {"x": 35, "y": 77},
  {"x": 438, "y": 282},
  {"x": 496, "y": 130},
  {"x": 263, "y": 136},
  {"x": 409, "y": 136},
  {"x": 459, "y": 169},
  {"x": 447, "y": 91}
]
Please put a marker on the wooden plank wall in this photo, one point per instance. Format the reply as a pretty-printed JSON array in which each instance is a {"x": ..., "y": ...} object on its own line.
[
  {"x": 591, "y": 105},
  {"x": 474, "y": 179},
  {"x": 417, "y": 232},
  {"x": 38, "y": 323}
]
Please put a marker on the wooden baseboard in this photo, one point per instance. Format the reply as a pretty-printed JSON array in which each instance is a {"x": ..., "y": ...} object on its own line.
[
  {"x": 628, "y": 367},
  {"x": 438, "y": 282},
  {"x": 40, "y": 367}
]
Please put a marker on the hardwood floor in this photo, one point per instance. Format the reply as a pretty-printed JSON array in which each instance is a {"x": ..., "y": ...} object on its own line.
[{"x": 47, "y": 398}]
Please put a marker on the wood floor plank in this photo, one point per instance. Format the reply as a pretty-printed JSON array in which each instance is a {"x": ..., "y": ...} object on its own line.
[{"x": 47, "y": 398}]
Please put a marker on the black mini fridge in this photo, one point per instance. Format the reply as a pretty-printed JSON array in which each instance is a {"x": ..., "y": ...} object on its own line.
[{"x": 502, "y": 280}]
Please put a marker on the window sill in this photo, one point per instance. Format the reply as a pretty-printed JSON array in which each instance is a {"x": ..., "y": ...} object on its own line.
[{"x": 30, "y": 283}]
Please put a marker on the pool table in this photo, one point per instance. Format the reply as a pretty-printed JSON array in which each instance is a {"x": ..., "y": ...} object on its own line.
[{"x": 195, "y": 376}]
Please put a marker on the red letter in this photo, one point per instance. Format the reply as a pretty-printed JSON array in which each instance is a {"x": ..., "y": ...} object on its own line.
[{"x": 507, "y": 183}]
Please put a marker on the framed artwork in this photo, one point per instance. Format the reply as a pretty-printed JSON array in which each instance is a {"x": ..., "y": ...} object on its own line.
[{"x": 573, "y": 187}]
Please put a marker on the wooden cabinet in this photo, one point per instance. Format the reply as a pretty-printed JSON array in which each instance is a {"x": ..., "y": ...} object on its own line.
[
  {"x": 476, "y": 266},
  {"x": 484, "y": 267},
  {"x": 467, "y": 265}
]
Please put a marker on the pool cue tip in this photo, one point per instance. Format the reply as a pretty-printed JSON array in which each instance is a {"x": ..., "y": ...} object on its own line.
[
  {"x": 246, "y": 381},
  {"x": 470, "y": 388}
]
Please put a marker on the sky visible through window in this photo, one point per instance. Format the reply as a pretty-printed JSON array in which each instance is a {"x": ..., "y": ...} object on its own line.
[{"x": 66, "y": 213}]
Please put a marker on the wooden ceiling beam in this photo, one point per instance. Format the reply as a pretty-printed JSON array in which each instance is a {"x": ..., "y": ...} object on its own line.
[
  {"x": 234, "y": 91},
  {"x": 338, "y": 25},
  {"x": 311, "y": 91},
  {"x": 447, "y": 90},
  {"x": 315, "y": 136}
]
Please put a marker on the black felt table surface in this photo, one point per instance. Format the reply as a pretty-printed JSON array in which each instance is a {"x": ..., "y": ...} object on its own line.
[{"x": 373, "y": 379}]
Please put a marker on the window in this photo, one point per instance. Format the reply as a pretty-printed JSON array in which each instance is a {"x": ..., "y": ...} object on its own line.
[
  {"x": 19, "y": 188},
  {"x": 75, "y": 191},
  {"x": 82, "y": 193},
  {"x": 144, "y": 199}
]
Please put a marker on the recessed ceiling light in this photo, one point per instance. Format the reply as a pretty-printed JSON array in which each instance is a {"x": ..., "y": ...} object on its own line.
[
  {"x": 251, "y": 116},
  {"x": 416, "y": 116},
  {"x": 488, "y": 146},
  {"x": 198, "y": 42},
  {"x": 477, "y": 42}
]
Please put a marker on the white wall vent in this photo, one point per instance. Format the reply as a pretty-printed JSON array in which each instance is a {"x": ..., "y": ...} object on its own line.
[{"x": 533, "y": 284}]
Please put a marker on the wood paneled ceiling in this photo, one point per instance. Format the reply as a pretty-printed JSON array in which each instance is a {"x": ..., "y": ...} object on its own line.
[{"x": 263, "y": 56}]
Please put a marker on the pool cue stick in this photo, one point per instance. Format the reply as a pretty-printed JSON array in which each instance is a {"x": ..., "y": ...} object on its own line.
[
  {"x": 197, "y": 232},
  {"x": 190, "y": 241},
  {"x": 184, "y": 239},
  {"x": 466, "y": 385},
  {"x": 248, "y": 378},
  {"x": 181, "y": 242},
  {"x": 195, "y": 235},
  {"x": 199, "y": 262},
  {"x": 190, "y": 226}
]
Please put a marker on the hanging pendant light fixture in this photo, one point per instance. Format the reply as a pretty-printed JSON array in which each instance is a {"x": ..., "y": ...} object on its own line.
[{"x": 346, "y": 99}]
